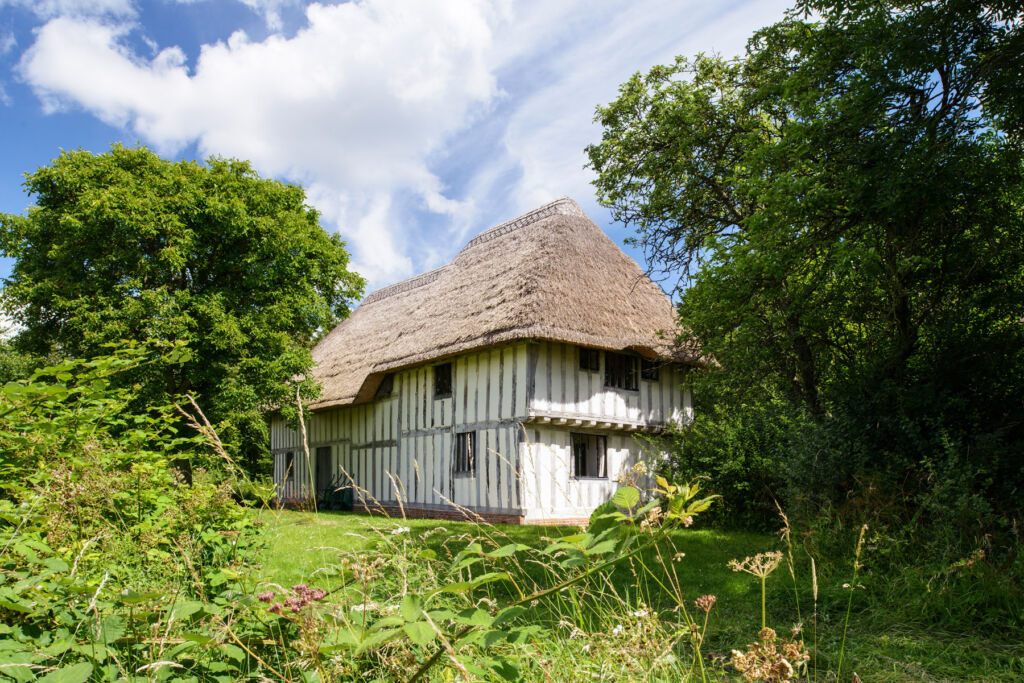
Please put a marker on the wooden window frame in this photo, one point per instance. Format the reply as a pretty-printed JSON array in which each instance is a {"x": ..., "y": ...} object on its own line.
[
  {"x": 580, "y": 451},
  {"x": 590, "y": 359},
  {"x": 620, "y": 371},
  {"x": 443, "y": 380},
  {"x": 650, "y": 370},
  {"x": 464, "y": 457}
]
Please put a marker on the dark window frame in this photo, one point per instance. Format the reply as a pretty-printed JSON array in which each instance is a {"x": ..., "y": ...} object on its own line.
[
  {"x": 464, "y": 457},
  {"x": 620, "y": 371},
  {"x": 650, "y": 370},
  {"x": 590, "y": 359},
  {"x": 443, "y": 380},
  {"x": 582, "y": 455},
  {"x": 289, "y": 465}
]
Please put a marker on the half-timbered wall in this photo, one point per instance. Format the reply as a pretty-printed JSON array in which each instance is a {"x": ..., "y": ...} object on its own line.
[
  {"x": 563, "y": 390},
  {"x": 523, "y": 401}
]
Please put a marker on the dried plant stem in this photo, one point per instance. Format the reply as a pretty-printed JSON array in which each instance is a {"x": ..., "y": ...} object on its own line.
[
  {"x": 849, "y": 602},
  {"x": 305, "y": 447}
]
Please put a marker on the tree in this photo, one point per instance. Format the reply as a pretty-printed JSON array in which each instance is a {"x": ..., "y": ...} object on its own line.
[
  {"x": 128, "y": 246},
  {"x": 843, "y": 207}
]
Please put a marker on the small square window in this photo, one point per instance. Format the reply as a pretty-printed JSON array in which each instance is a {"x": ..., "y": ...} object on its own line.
[
  {"x": 443, "y": 380},
  {"x": 589, "y": 456},
  {"x": 620, "y": 371},
  {"x": 590, "y": 359},
  {"x": 465, "y": 453},
  {"x": 649, "y": 369}
]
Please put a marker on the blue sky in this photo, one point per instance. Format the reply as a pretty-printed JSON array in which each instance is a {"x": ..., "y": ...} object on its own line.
[{"x": 412, "y": 124}]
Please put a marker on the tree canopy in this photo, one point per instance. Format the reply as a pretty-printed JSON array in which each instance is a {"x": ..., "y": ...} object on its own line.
[
  {"x": 129, "y": 246},
  {"x": 842, "y": 208}
]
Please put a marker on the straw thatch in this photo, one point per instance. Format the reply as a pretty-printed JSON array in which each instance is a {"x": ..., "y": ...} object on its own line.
[{"x": 550, "y": 274}]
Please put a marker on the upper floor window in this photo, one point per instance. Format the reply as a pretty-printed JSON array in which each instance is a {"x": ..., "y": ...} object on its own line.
[
  {"x": 443, "y": 380},
  {"x": 589, "y": 456},
  {"x": 465, "y": 453},
  {"x": 649, "y": 369},
  {"x": 620, "y": 371},
  {"x": 590, "y": 359}
]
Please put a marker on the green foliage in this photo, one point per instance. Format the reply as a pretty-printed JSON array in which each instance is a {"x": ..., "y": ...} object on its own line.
[
  {"x": 126, "y": 245},
  {"x": 844, "y": 206}
]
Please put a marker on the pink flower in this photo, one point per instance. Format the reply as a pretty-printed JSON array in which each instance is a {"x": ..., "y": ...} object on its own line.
[
  {"x": 266, "y": 597},
  {"x": 705, "y": 602}
]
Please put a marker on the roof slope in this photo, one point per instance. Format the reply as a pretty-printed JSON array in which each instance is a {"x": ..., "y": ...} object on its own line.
[{"x": 549, "y": 274}]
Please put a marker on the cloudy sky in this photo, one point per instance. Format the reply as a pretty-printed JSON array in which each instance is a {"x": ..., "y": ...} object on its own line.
[{"x": 413, "y": 124}]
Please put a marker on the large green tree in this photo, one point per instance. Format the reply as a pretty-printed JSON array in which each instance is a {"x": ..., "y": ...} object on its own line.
[
  {"x": 129, "y": 246},
  {"x": 843, "y": 206}
]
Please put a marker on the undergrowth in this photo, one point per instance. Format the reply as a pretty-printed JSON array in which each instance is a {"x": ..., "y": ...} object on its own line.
[{"x": 113, "y": 566}]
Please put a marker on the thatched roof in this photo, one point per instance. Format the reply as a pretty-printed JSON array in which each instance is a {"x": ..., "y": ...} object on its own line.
[{"x": 550, "y": 274}]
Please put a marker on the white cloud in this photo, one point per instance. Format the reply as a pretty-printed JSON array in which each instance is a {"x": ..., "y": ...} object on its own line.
[
  {"x": 47, "y": 9},
  {"x": 366, "y": 103},
  {"x": 270, "y": 10},
  {"x": 356, "y": 103},
  {"x": 8, "y": 43}
]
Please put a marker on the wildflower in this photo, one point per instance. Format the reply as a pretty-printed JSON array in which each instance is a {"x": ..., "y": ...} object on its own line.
[
  {"x": 300, "y": 588},
  {"x": 400, "y": 530},
  {"x": 640, "y": 613},
  {"x": 586, "y": 648},
  {"x": 266, "y": 597},
  {"x": 770, "y": 659},
  {"x": 617, "y": 630},
  {"x": 760, "y": 565},
  {"x": 317, "y": 594},
  {"x": 275, "y": 608},
  {"x": 678, "y": 557},
  {"x": 705, "y": 602}
]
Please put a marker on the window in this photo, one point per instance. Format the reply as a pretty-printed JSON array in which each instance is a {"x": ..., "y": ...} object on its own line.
[
  {"x": 465, "y": 453},
  {"x": 590, "y": 359},
  {"x": 620, "y": 371},
  {"x": 289, "y": 465},
  {"x": 386, "y": 386},
  {"x": 443, "y": 380},
  {"x": 649, "y": 370},
  {"x": 589, "y": 456}
]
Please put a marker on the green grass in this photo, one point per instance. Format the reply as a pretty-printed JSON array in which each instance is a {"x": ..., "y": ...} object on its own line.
[{"x": 880, "y": 646}]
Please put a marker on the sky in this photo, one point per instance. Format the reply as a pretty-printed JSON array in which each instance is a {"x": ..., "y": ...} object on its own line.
[{"x": 412, "y": 124}]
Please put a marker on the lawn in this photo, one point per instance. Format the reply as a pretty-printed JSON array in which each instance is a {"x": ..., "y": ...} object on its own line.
[{"x": 302, "y": 546}]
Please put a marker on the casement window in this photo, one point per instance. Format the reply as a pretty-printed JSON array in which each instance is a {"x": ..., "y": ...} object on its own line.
[
  {"x": 289, "y": 465},
  {"x": 386, "y": 387},
  {"x": 620, "y": 371},
  {"x": 590, "y": 359},
  {"x": 649, "y": 369},
  {"x": 443, "y": 380},
  {"x": 465, "y": 453},
  {"x": 589, "y": 456}
]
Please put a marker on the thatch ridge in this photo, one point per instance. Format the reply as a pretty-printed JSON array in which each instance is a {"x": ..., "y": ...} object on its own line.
[{"x": 550, "y": 274}]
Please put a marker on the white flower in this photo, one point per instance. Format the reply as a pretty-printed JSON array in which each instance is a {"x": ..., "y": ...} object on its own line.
[
  {"x": 617, "y": 630},
  {"x": 586, "y": 648},
  {"x": 400, "y": 530},
  {"x": 640, "y": 613}
]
